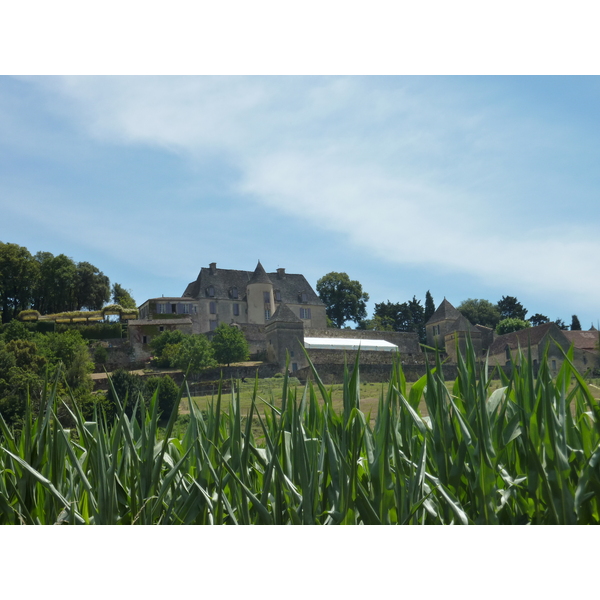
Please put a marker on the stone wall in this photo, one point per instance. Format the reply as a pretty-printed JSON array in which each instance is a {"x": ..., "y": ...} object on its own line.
[{"x": 373, "y": 373}]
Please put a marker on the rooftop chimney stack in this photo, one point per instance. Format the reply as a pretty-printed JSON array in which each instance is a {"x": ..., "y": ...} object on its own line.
[
  {"x": 280, "y": 273},
  {"x": 213, "y": 268}
]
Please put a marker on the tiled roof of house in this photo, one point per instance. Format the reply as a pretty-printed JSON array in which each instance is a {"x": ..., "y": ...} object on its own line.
[
  {"x": 585, "y": 340},
  {"x": 524, "y": 337},
  {"x": 445, "y": 311},
  {"x": 224, "y": 281}
]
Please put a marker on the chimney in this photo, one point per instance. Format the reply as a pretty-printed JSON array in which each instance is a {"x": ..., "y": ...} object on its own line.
[
  {"x": 213, "y": 268},
  {"x": 280, "y": 273}
]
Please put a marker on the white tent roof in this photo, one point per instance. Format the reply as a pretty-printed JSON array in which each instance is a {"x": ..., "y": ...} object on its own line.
[{"x": 348, "y": 344}]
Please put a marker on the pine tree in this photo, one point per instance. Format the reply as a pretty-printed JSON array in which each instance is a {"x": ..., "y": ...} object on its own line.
[{"x": 575, "y": 324}]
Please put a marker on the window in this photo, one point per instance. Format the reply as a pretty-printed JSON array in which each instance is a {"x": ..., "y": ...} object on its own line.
[
  {"x": 174, "y": 308},
  {"x": 267, "y": 297},
  {"x": 305, "y": 313},
  {"x": 267, "y": 314},
  {"x": 213, "y": 325},
  {"x": 236, "y": 309},
  {"x": 554, "y": 365},
  {"x": 294, "y": 367},
  {"x": 277, "y": 295},
  {"x": 213, "y": 308},
  {"x": 161, "y": 329},
  {"x": 186, "y": 309},
  {"x": 303, "y": 297},
  {"x": 161, "y": 308},
  {"x": 507, "y": 351},
  {"x": 234, "y": 292},
  {"x": 144, "y": 339},
  {"x": 211, "y": 291}
]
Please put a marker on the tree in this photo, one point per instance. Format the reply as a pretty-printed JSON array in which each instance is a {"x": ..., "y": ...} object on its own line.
[
  {"x": 538, "y": 319},
  {"x": 429, "y": 306},
  {"x": 480, "y": 312},
  {"x": 92, "y": 288},
  {"x": 229, "y": 344},
  {"x": 377, "y": 323},
  {"x": 561, "y": 324},
  {"x": 510, "y": 308},
  {"x": 510, "y": 325},
  {"x": 18, "y": 274},
  {"x": 57, "y": 284},
  {"x": 344, "y": 298},
  {"x": 575, "y": 324},
  {"x": 195, "y": 353},
  {"x": 159, "y": 345},
  {"x": 122, "y": 297}
]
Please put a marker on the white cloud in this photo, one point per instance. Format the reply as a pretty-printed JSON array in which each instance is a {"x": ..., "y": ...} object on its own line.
[{"x": 412, "y": 171}]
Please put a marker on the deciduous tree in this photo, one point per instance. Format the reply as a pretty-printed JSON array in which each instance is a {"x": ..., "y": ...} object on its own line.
[
  {"x": 343, "y": 297},
  {"x": 480, "y": 312},
  {"x": 510, "y": 325},
  {"x": 18, "y": 274},
  {"x": 122, "y": 297},
  {"x": 229, "y": 344}
]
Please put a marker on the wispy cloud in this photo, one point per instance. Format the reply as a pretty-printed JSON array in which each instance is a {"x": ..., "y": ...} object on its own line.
[{"x": 415, "y": 171}]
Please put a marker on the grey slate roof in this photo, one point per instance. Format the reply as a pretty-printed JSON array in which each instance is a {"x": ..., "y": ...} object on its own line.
[
  {"x": 463, "y": 324},
  {"x": 445, "y": 311},
  {"x": 259, "y": 275},
  {"x": 284, "y": 314},
  {"x": 224, "y": 280}
]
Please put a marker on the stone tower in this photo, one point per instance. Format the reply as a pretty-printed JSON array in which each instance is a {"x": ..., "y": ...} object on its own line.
[
  {"x": 259, "y": 293},
  {"x": 285, "y": 333}
]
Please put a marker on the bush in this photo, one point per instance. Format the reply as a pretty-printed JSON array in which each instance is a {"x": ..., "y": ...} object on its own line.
[
  {"x": 168, "y": 394},
  {"x": 510, "y": 325}
]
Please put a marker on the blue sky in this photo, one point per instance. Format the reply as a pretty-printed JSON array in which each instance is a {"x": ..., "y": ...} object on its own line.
[{"x": 470, "y": 187}]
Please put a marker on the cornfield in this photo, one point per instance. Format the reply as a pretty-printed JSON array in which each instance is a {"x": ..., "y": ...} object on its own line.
[{"x": 528, "y": 452}]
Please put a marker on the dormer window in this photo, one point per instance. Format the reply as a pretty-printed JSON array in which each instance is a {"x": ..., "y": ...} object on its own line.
[
  {"x": 211, "y": 291},
  {"x": 277, "y": 295},
  {"x": 303, "y": 297},
  {"x": 234, "y": 293}
]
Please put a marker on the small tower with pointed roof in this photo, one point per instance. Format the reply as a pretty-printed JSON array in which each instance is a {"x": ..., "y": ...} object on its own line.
[
  {"x": 285, "y": 333},
  {"x": 440, "y": 323},
  {"x": 259, "y": 292}
]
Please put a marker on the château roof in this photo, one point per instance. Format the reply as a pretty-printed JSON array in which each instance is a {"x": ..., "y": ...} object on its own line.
[
  {"x": 445, "y": 312},
  {"x": 289, "y": 285},
  {"x": 284, "y": 314},
  {"x": 259, "y": 275}
]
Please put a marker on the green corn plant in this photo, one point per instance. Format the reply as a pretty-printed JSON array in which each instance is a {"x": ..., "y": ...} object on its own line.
[{"x": 527, "y": 452}]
